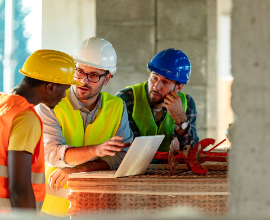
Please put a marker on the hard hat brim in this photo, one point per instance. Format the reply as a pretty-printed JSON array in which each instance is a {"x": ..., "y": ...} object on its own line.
[
  {"x": 76, "y": 83},
  {"x": 112, "y": 70}
]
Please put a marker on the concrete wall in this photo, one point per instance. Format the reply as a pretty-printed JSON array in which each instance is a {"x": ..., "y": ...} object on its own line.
[
  {"x": 250, "y": 153},
  {"x": 139, "y": 29},
  {"x": 65, "y": 23}
]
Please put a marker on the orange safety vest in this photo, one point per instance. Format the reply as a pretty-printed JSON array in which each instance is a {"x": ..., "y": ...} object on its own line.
[{"x": 10, "y": 107}]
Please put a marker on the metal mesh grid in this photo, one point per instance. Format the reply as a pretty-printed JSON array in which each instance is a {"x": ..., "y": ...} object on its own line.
[{"x": 152, "y": 193}]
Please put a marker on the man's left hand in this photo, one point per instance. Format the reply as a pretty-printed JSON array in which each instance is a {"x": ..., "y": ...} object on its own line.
[
  {"x": 59, "y": 177},
  {"x": 172, "y": 102}
]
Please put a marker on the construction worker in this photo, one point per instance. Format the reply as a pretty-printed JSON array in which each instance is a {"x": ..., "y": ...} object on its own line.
[
  {"x": 89, "y": 129},
  {"x": 48, "y": 73},
  {"x": 158, "y": 106}
]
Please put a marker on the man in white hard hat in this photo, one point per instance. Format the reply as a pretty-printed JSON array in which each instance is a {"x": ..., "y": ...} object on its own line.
[{"x": 89, "y": 129}]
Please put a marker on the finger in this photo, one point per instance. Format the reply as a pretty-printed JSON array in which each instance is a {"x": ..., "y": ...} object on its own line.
[
  {"x": 115, "y": 143},
  {"x": 167, "y": 101},
  {"x": 51, "y": 175},
  {"x": 109, "y": 153},
  {"x": 174, "y": 94},
  {"x": 63, "y": 182},
  {"x": 169, "y": 97},
  {"x": 59, "y": 180},
  {"x": 115, "y": 138},
  {"x": 112, "y": 148},
  {"x": 52, "y": 180},
  {"x": 165, "y": 105}
]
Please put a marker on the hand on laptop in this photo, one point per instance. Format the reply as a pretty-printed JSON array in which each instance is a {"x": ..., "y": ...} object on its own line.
[{"x": 111, "y": 146}]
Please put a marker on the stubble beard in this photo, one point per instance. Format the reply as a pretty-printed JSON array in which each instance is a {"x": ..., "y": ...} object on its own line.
[
  {"x": 93, "y": 93},
  {"x": 153, "y": 101}
]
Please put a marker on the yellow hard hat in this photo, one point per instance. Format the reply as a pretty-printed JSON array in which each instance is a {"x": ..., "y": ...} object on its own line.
[{"x": 50, "y": 66}]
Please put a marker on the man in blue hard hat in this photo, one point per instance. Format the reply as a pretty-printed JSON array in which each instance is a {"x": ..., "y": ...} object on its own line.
[{"x": 158, "y": 106}]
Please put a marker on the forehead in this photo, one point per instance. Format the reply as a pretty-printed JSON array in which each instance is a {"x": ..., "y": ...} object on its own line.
[
  {"x": 89, "y": 68},
  {"x": 160, "y": 76}
]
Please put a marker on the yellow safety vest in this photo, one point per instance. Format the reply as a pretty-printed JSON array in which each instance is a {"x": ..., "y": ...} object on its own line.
[
  {"x": 103, "y": 128},
  {"x": 145, "y": 120}
]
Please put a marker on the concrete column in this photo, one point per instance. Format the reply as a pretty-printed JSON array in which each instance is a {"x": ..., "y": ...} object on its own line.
[
  {"x": 139, "y": 29},
  {"x": 250, "y": 153},
  {"x": 65, "y": 23}
]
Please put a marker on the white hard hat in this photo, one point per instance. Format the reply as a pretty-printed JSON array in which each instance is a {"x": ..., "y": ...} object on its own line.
[{"x": 96, "y": 52}]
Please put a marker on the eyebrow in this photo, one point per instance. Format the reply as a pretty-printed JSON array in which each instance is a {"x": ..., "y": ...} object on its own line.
[
  {"x": 165, "y": 77},
  {"x": 89, "y": 72}
]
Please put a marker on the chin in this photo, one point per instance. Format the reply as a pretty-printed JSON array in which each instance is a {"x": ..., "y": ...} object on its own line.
[{"x": 51, "y": 106}]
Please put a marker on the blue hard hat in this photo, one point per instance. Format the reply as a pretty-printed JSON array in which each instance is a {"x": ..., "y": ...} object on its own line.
[{"x": 172, "y": 64}]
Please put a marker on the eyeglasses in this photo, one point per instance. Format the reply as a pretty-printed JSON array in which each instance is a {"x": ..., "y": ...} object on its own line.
[{"x": 92, "y": 77}]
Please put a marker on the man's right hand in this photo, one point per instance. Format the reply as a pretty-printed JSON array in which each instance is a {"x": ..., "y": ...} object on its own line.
[{"x": 111, "y": 146}]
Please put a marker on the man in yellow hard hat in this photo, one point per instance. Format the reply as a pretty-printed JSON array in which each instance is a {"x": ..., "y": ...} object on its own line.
[
  {"x": 48, "y": 73},
  {"x": 88, "y": 129}
]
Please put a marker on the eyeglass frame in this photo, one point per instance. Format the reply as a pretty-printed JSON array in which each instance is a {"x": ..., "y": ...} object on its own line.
[{"x": 88, "y": 74}]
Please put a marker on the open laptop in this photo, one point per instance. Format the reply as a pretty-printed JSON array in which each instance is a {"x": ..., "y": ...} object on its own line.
[{"x": 136, "y": 161}]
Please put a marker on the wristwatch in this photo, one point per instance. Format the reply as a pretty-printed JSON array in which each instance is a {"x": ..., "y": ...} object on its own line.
[{"x": 182, "y": 126}]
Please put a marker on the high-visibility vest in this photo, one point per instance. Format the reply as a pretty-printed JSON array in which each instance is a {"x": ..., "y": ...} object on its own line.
[
  {"x": 145, "y": 120},
  {"x": 104, "y": 127},
  {"x": 10, "y": 107}
]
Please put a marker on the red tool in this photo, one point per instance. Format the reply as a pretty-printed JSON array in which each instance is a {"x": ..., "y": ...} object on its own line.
[{"x": 192, "y": 157}]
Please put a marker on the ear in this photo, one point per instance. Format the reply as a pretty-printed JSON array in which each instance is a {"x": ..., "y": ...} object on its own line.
[
  {"x": 107, "y": 79},
  {"x": 179, "y": 87},
  {"x": 50, "y": 88}
]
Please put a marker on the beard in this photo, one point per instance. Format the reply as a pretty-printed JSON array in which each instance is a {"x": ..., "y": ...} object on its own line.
[
  {"x": 154, "y": 100},
  {"x": 83, "y": 96}
]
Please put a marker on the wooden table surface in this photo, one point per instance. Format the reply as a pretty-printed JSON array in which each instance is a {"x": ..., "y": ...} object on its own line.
[{"x": 154, "y": 192}]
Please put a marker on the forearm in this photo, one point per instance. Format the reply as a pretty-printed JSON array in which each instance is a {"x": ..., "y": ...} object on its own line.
[
  {"x": 189, "y": 137},
  {"x": 19, "y": 184},
  {"x": 22, "y": 198},
  {"x": 91, "y": 166},
  {"x": 80, "y": 155}
]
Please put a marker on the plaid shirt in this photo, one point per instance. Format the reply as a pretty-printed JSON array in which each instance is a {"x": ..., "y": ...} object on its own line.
[{"x": 190, "y": 138}]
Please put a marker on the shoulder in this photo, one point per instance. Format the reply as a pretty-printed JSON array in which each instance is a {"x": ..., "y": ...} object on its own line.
[
  {"x": 126, "y": 94},
  {"x": 25, "y": 132},
  {"x": 190, "y": 102},
  {"x": 27, "y": 117},
  {"x": 26, "y": 121},
  {"x": 125, "y": 91}
]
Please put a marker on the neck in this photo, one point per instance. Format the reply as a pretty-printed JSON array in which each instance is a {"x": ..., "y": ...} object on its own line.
[
  {"x": 32, "y": 95},
  {"x": 91, "y": 103},
  {"x": 159, "y": 106}
]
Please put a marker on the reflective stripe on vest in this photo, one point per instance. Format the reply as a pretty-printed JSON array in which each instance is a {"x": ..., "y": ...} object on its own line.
[
  {"x": 10, "y": 107},
  {"x": 36, "y": 178},
  {"x": 145, "y": 121},
  {"x": 104, "y": 127}
]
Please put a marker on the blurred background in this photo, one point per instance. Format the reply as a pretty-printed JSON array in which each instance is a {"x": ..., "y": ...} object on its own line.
[{"x": 137, "y": 30}]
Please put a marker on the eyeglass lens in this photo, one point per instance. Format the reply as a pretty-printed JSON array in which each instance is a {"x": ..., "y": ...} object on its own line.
[{"x": 92, "y": 77}]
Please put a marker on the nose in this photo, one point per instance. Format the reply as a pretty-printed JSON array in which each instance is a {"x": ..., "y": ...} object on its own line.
[
  {"x": 85, "y": 80},
  {"x": 157, "y": 85},
  {"x": 64, "y": 94}
]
